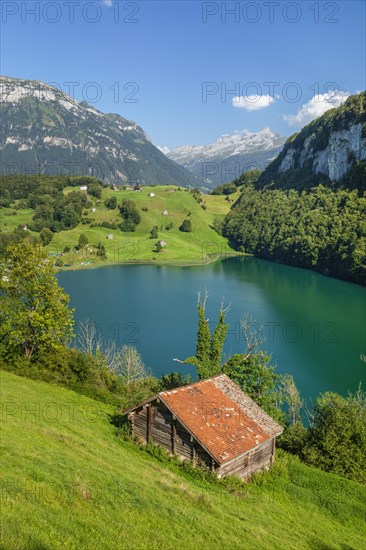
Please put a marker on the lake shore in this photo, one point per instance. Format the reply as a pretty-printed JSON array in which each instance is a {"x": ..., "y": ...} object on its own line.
[{"x": 211, "y": 258}]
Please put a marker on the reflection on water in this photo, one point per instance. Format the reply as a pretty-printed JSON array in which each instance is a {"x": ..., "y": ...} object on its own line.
[{"x": 313, "y": 325}]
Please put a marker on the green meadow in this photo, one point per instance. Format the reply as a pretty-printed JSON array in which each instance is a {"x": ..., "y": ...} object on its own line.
[
  {"x": 68, "y": 482},
  {"x": 201, "y": 245}
]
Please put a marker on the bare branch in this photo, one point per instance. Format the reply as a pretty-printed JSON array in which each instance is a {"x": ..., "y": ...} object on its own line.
[
  {"x": 226, "y": 309},
  {"x": 205, "y": 298},
  {"x": 90, "y": 341},
  {"x": 130, "y": 365},
  {"x": 252, "y": 334}
]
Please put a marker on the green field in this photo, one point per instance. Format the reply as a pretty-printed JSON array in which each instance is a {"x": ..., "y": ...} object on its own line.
[
  {"x": 68, "y": 482},
  {"x": 200, "y": 246}
]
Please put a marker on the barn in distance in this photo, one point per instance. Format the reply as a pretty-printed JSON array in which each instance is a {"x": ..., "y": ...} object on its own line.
[{"x": 211, "y": 422}]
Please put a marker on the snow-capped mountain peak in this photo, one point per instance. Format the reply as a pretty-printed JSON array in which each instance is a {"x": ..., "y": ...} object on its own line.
[{"x": 233, "y": 152}]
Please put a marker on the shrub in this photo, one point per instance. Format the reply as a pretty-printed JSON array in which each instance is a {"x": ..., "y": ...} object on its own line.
[
  {"x": 83, "y": 241},
  {"x": 46, "y": 236},
  {"x": 101, "y": 253},
  {"x": 186, "y": 226},
  {"x": 123, "y": 425},
  {"x": 108, "y": 225},
  {"x": 225, "y": 189},
  {"x": 154, "y": 233},
  {"x": 70, "y": 368},
  {"x": 336, "y": 439},
  {"x": 95, "y": 190},
  {"x": 293, "y": 438},
  {"x": 174, "y": 380},
  {"x": 111, "y": 203},
  {"x": 130, "y": 214}
]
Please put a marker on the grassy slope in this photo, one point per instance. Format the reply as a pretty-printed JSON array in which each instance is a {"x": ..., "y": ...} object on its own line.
[
  {"x": 181, "y": 247},
  {"x": 68, "y": 483}
]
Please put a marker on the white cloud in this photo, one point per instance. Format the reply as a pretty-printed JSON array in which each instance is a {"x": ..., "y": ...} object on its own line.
[
  {"x": 108, "y": 3},
  {"x": 316, "y": 107},
  {"x": 252, "y": 102}
]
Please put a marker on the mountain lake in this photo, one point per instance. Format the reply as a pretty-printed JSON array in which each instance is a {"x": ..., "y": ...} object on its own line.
[{"x": 312, "y": 325}]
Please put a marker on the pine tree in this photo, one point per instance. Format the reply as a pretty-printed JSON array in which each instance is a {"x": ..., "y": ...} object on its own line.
[
  {"x": 218, "y": 341},
  {"x": 203, "y": 338},
  {"x": 209, "y": 346}
]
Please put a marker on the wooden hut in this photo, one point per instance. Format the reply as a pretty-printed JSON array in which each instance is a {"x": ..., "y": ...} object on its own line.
[{"x": 213, "y": 423}]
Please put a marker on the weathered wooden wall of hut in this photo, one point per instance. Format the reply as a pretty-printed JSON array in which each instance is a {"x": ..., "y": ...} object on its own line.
[
  {"x": 139, "y": 423},
  {"x": 245, "y": 465}
]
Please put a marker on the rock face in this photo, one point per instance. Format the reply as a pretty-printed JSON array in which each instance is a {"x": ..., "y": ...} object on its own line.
[
  {"x": 229, "y": 156},
  {"x": 329, "y": 146},
  {"x": 334, "y": 159},
  {"x": 44, "y": 130}
]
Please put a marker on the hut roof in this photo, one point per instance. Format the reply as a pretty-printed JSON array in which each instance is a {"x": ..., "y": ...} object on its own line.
[{"x": 220, "y": 416}]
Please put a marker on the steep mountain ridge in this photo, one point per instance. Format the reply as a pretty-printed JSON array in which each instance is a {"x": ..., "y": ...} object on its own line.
[
  {"x": 324, "y": 150},
  {"x": 44, "y": 130}
]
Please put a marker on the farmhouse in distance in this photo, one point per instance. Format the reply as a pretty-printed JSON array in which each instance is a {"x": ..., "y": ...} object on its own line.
[{"x": 211, "y": 422}]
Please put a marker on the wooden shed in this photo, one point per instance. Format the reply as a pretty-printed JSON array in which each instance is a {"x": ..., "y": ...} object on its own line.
[{"x": 213, "y": 423}]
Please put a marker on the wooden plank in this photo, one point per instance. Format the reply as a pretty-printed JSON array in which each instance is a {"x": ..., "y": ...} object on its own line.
[
  {"x": 174, "y": 434},
  {"x": 149, "y": 422}
]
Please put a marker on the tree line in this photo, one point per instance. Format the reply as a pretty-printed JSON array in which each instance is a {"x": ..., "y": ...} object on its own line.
[{"x": 321, "y": 228}]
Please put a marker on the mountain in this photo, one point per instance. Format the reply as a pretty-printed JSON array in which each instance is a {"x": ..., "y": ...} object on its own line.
[
  {"x": 325, "y": 150},
  {"x": 44, "y": 130},
  {"x": 308, "y": 208},
  {"x": 229, "y": 156}
]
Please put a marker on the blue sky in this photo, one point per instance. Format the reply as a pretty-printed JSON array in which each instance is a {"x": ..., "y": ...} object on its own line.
[{"x": 285, "y": 62}]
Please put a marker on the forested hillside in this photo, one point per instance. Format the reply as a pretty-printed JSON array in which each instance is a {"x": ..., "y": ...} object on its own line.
[
  {"x": 324, "y": 151},
  {"x": 321, "y": 229},
  {"x": 296, "y": 212}
]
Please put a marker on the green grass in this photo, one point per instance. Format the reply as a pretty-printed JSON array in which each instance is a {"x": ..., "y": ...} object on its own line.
[
  {"x": 9, "y": 222},
  {"x": 199, "y": 246},
  {"x": 68, "y": 483}
]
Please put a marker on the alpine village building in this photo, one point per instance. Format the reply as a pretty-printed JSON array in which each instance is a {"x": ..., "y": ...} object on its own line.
[{"x": 211, "y": 422}]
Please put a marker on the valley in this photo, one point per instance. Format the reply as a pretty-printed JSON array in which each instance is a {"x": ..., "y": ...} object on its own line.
[
  {"x": 182, "y": 326},
  {"x": 168, "y": 207}
]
